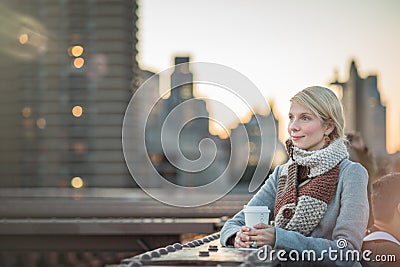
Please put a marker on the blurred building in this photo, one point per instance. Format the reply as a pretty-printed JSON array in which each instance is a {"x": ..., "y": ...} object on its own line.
[
  {"x": 181, "y": 91},
  {"x": 262, "y": 131},
  {"x": 184, "y": 123},
  {"x": 67, "y": 69},
  {"x": 147, "y": 122},
  {"x": 363, "y": 108}
]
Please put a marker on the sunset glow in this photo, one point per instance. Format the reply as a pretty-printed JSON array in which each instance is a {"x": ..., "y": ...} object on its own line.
[{"x": 281, "y": 57}]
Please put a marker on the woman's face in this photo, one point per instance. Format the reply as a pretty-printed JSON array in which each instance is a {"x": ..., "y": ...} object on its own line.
[{"x": 305, "y": 129}]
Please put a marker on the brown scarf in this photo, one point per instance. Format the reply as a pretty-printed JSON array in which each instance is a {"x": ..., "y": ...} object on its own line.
[{"x": 306, "y": 185}]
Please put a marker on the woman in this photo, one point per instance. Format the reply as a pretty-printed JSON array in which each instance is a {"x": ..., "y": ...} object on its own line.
[{"x": 319, "y": 197}]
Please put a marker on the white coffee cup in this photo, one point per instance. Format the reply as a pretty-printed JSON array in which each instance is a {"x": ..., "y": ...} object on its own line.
[{"x": 256, "y": 214}]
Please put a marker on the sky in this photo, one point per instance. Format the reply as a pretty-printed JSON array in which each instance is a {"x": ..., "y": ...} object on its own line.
[{"x": 281, "y": 46}]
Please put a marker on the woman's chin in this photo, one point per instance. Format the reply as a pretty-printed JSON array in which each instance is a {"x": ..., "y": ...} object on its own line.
[{"x": 298, "y": 144}]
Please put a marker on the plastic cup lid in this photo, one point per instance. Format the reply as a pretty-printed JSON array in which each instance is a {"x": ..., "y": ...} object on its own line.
[{"x": 247, "y": 208}]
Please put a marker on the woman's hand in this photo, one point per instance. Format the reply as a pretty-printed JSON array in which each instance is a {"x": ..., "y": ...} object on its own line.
[
  {"x": 242, "y": 238},
  {"x": 261, "y": 233}
]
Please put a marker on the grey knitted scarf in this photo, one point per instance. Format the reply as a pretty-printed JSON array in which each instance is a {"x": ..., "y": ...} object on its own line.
[{"x": 306, "y": 185}]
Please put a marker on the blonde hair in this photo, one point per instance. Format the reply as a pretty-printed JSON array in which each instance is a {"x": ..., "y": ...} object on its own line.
[{"x": 325, "y": 105}]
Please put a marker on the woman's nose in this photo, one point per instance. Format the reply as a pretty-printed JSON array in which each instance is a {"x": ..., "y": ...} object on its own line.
[{"x": 293, "y": 125}]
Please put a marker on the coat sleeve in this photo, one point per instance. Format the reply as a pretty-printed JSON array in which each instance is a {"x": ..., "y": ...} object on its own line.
[
  {"x": 349, "y": 226},
  {"x": 264, "y": 197}
]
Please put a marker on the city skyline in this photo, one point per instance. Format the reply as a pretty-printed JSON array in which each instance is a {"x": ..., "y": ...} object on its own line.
[
  {"x": 67, "y": 81},
  {"x": 303, "y": 45}
]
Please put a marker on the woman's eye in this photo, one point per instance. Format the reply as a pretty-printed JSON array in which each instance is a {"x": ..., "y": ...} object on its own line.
[{"x": 306, "y": 118}]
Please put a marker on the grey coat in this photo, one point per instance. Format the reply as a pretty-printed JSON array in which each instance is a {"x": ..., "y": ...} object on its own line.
[{"x": 346, "y": 218}]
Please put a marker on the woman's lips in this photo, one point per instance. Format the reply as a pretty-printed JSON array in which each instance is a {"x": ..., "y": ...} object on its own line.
[{"x": 295, "y": 138}]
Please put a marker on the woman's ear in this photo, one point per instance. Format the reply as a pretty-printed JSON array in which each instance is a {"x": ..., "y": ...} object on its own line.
[{"x": 329, "y": 126}]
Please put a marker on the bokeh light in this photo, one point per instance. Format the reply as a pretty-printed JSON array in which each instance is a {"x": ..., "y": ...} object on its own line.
[
  {"x": 78, "y": 62},
  {"x": 77, "y": 111},
  {"x": 77, "y": 182},
  {"x": 76, "y": 50},
  {"x": 23, "y": 38},
  {"x": 26, "y": 112},
  {"x": 41, "y": 123}
]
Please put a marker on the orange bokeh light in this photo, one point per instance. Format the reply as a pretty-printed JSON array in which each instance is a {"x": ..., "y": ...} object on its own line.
[
  {"x": 23, "y": 38},
  {"x": 77, "y": 111},
  {"x": 76, "y": 50},
  {"x": 78, "y": 62}
]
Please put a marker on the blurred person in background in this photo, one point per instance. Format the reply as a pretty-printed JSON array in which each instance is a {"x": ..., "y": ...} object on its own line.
[
  {"x": 364, "y": 155},
  {"x": 383, "y": 240},
  {"x": 367, "y": 159}
]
